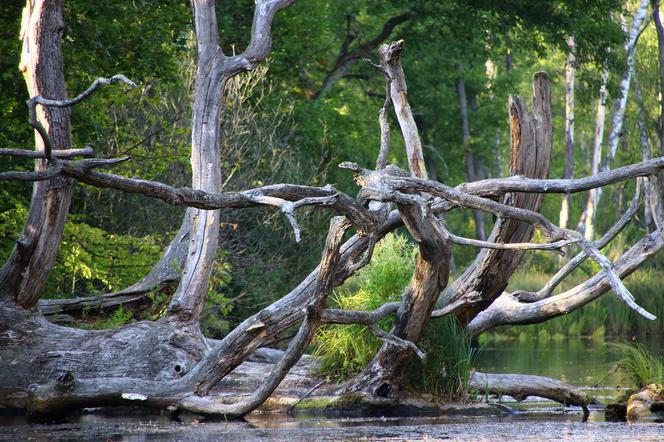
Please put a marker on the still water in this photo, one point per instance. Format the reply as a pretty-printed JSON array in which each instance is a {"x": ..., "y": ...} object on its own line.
[{"x": 584, "y": 363}]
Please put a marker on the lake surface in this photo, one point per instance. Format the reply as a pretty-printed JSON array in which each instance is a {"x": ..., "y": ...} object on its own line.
[{"x": 581, "y": 362}]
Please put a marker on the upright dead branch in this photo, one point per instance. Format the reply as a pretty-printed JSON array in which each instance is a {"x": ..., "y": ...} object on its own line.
[
  {"x": 383, "y": 376},
  {"x": 24, "y": 275},
  {"x": 390, "y": 55},
  {"x": 532, "y": 140},
  {"x": 213, "y": 71}
]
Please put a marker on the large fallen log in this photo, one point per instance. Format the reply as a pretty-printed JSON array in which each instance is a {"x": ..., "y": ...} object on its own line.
[{"x": 520, "y": 386}]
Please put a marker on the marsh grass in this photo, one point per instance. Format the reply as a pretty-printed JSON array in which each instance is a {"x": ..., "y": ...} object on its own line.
[
  {"x": 449, "y": 358},
  {"x": 344, "y": 350},
  {"x": 638, "y": 366}
]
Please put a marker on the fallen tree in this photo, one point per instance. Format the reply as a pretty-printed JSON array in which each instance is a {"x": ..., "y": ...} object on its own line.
[{"x": 169, "y": 364}]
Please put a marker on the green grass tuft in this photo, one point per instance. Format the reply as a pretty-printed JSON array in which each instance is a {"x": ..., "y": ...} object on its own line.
[
  {"x": 637, "y": 365},
  {"x": 344, "y": 350},
  {"x": 449, "y": 357}
]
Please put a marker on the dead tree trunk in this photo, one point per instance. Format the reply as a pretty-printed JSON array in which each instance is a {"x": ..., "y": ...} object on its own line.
[
  {"x": 211, "y": 77},
  {"x": 24, "y": 275},
  {"x": 532, "y": 141}
]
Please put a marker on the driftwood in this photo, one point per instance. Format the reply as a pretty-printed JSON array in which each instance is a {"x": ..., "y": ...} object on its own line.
[
  {"x": 169, "y": 364},
  {"x": 520, "y": 386}
]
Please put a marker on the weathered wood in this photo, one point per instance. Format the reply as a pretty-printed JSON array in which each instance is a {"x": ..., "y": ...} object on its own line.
[
  {"x": 573, "y": 263},
  {"x": 508, "y": 310},
  {"x": 390, "y": 55},
  {"x": 532, "y": 139},
  {"x": 520, "y": 386},
  {"x": 213, "y": 71},
  {"x": 187, "y": 301},
  {"x": 24, "y": 275},
  {"x": 383, "y": 377},
  {"x": 62, "y": 153}
]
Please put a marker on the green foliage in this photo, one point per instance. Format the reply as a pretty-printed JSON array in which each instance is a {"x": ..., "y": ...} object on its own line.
[
  {"x": 119, "y": 317},
  {"x": 638, "y": 366},
  {"x": 92, "y": 260},
  {"x": 218, "y": 305},
  {"x": 343, "y": 350},
  {"x": 449, "y": 358}
]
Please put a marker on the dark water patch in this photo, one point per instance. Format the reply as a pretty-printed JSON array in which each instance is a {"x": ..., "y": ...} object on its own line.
[{"x": 555, "y": 426}]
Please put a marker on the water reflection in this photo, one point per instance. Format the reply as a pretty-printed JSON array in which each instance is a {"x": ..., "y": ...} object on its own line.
[{"x": 583, "y": 362}]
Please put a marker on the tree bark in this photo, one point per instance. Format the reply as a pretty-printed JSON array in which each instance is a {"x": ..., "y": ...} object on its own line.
[
  {"x": 532, "y": 140},
  {"x": 591, "y": 203},
  {"x": 187, "y": 302},
  {"x": 383, "y": 377},
  {"x": 521, "y": 386},
  {"x": 24, "y": 275},
  {"x": 470, "y": 161},
  {"x": 569, "y": 131}
]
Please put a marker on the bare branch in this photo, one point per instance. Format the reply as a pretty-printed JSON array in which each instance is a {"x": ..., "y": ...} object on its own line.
[
  {"x": 101, "y": 81},
  {"x": 569, "y": 267},
  {"x": 553, "y": 246},
  {"x": 60, "y": 153},
  {"x": 34, "y": 101},
  {"x": 507, "y": 310},
  {"x": 261, "y": 37},
  {"x": 617, "y": 285},
  {"x": 41, "y": 175},
  {"x": 390, "y": 55},
  {"x": 395, "y": 340},
  {"x": 499, "y": 186}
]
